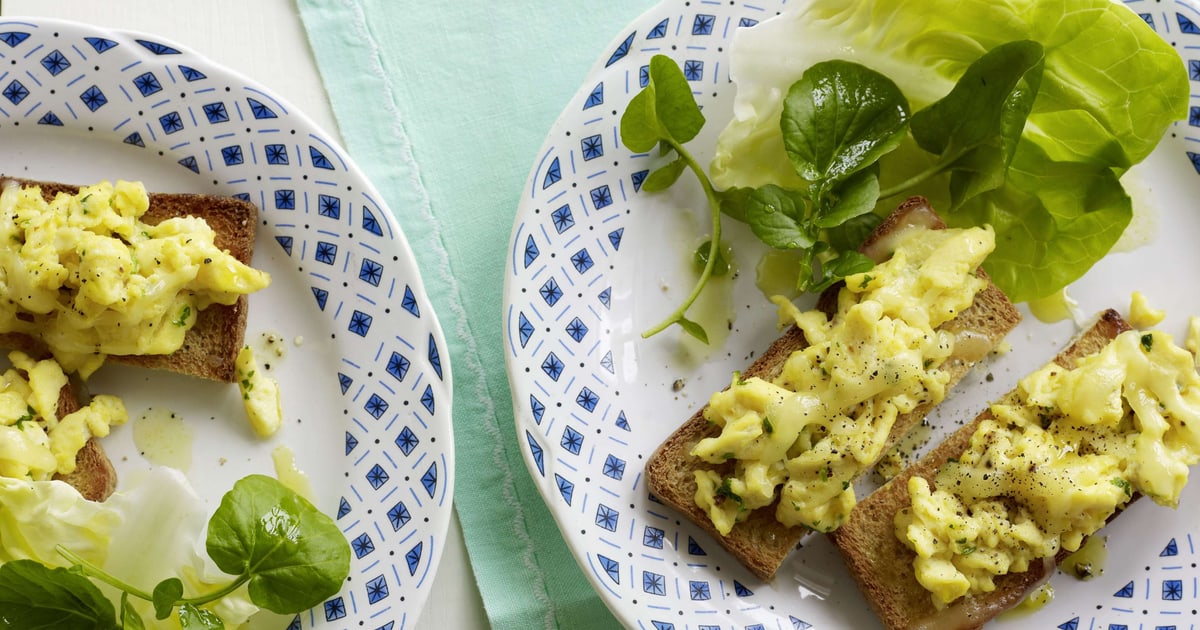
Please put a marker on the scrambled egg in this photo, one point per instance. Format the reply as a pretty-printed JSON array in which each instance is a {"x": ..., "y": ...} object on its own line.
[
  {"x": 86, "y": 276},
  {"x": 1141, "y": 314},
  {"x": 1055, "y": 463},
  {"x": 807, "y": 435},
  {"x": 260, "y": 394},
  {"x": 34, "y": 442}
]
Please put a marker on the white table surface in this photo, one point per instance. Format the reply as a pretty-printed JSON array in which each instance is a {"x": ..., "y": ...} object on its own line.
[{"x": 265, "y": 40}]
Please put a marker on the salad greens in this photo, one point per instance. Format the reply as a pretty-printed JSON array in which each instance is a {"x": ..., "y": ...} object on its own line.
[
  {"x": 1107, "y": 88},
  {"x": 277, "y": 547},
  {"x": 1022, "y": 115},
  {"x": 838, "y": 120},
  {"x": 665, "y": 113}
]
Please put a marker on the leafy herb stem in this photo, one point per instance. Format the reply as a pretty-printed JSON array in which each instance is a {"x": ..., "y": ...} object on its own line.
[
  {"x": 90, "y": 570},
  {"x": 911, "y": 182},
  {"x": 714, "y": 243}
]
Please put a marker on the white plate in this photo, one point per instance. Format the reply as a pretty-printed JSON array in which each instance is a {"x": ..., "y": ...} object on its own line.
[
  {"x": 593, "y": 264},
  {"x": 366, "y": 390}
]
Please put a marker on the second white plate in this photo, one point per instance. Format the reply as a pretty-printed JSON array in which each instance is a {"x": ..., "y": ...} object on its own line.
[{"x": 593, "y": 263}]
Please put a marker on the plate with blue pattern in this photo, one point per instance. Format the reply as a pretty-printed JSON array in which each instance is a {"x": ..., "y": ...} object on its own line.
[
  {"x": 345, "y": 327},
  {"x": 593, "y": 263}
]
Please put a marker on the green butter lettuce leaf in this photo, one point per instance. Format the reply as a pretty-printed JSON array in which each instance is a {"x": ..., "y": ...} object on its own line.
[
  {"x": 1052, "y": 220},
  {"x": 1109, "y": 89}
]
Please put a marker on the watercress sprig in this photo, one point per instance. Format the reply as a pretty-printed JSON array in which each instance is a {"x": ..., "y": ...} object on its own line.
[
  {"x": 666, "y": 114},
  {"x": 839, "y": 119},
  {"x": 289, "y": 555}
]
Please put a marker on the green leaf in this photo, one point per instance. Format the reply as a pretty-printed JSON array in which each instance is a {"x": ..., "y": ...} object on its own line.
[
  {"x": 662, "y": 178},
  {"x": 720, "y": 267},
  {"x": 734, "y": 202},
  {"x": 130, "y": 619},
  {"x": 845, "y": 264},
  {"x": 856, "y": 196},
  {"x": 693, "y": 329},
  {"x": 677, "y": 110},
  {"x": 664, "y": 110},
  {"x": 166, "y": 594},
  {"x": 976, "y": 127},
  {"x": 294, "y": 556},
  {"x": 195, "y": 618},
  {"x": 777, "y": 217},
  {"x": 839, "y": 118},
  {"x": 640, "y": 131},
  {"x": 1053, "y": 221},
  {"x": 851, "y": 234},
  {"x": 51, "y": 599}
]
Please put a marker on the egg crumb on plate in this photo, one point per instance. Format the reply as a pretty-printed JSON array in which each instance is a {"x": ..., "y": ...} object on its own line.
[
  {"x": 260, "y": 394},
  {"x": 1141, "y": 314}
]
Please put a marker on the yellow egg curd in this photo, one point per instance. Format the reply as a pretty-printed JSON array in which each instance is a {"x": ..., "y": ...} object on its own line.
[
  {"x": 85, "y": 275},
  {"x": 1055, "y": 462},
  {"x": 803, "y": 438},
  {"x": 34, "y": 442}
]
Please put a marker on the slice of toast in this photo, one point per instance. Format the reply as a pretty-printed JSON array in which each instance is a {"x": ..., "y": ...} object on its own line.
[
  {"x": 760, "y": 542},
  {"x": 883, "y": 565},
  {"x": 94, "y": 476},
  {"x": 211, "y": 346}
]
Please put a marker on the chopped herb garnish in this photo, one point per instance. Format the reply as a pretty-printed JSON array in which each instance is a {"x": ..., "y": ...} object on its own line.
[
  {"x": 768, "y": 428},
  {"x": 1147, "y": 341},
  {"x": 1124, "y": 485},
  {"x": 726, "y": 491},
  {"x": 184, "y": 314},
  {"x": 30, "y": 414}
]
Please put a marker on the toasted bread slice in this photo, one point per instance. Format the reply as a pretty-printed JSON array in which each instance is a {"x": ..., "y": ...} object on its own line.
[
  {"x": 760, "y": 542},
  {"x": 211, "y": 346},
  {"x": 94, "y": 476},
  {"x": 883, "y": 565}
]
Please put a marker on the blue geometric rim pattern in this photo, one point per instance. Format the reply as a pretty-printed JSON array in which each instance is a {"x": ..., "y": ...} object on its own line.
[
  {"x": 580, "y": 437},
  {"x": 236, "y": 138}
]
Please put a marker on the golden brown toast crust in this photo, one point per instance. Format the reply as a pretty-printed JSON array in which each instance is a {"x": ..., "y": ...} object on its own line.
[
  {"x": 883, "y": 566},
  {"x": 760, "y": 542},
  {"x": 211, "y": 346},
  {"x": 94, "y": 476}
]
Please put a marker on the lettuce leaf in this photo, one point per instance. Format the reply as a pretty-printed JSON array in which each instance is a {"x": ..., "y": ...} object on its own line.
[
  {"x": 145, "y": 534},
  {"x": 1110, "y": 88}
]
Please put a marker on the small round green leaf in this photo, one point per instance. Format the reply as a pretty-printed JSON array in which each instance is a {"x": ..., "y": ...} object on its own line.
[
  {"x": 640, "y": 131},
  {"x": 720, "y": 267},
  {"x": 294, "y": 555},
  {"x": 839, "y": 118},
  {"x": 195, "y": 618},
  {"x": 693, "y": 329},
  {"x": 855, "y": 197},
  {"x": 776, "y": 216},
  {"x": 662, "y": 178},
  {"x": 677, "y": 110},
  {"x": 166, "y": 594}
]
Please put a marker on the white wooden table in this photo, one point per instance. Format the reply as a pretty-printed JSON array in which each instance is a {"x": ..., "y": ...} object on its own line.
[{"x": 265, "y": 40}]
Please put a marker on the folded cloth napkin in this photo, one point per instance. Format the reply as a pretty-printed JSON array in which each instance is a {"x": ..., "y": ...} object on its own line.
[{"x": 444, "y": 105}]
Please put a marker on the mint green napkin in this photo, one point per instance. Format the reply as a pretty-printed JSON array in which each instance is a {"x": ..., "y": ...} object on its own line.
[{"x": 444, "y": 105}]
